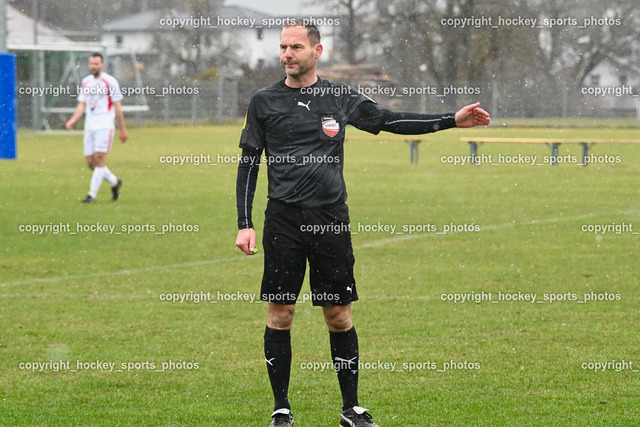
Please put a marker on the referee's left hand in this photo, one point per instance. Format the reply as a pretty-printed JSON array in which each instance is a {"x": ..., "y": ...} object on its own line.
[
  {"x": 246, "y": 240},
  {"x": 471, "y": 116}
]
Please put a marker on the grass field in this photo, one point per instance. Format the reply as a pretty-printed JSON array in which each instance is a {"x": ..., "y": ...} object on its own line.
[{"x": 73, "y": 297}]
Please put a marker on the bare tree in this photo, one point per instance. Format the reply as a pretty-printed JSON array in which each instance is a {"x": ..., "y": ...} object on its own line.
[
  {"x": 352, "y": 14},
  {"x": 528, "y": 51}
]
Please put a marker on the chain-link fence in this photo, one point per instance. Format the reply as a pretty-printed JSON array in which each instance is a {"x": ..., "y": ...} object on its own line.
[{"x": 49, "y": 106}]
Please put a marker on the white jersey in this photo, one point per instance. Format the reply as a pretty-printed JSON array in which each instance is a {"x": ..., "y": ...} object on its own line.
[{"x": 98, "y": 95}]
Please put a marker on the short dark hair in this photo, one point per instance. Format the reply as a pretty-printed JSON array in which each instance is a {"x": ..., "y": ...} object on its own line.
[
  {"x": 312, "y": 31},
  {"x": 97, "y": 55}
]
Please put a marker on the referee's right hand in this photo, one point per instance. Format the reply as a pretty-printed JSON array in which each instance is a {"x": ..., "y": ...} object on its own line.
[{"x": 246, "y": 240}]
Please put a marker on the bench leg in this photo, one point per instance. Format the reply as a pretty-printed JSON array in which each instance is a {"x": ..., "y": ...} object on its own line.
[
  {"x": 554, "y": 154},
  {"x": 473, "y": 152},
  {"x": 414, "y": 152},
  {"x": 585, "y": 154}
]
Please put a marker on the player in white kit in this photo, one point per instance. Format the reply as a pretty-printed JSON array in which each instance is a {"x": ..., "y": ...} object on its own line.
[{"x": 99, "y": 100}]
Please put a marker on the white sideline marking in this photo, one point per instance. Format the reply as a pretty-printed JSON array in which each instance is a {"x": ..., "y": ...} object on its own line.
[
  {"x": 400, "y": 238},
  {"x": 376, "y": 243},
  {"x": 123, "y": 272}
]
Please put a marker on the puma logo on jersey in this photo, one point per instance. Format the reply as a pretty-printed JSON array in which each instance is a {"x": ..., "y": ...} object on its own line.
[{"x": 302, "y": 104}]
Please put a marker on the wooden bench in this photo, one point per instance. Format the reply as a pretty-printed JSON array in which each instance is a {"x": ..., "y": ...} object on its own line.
[
  {"x": 554, "y": 143},
  {"x": 412, "y": 140}
]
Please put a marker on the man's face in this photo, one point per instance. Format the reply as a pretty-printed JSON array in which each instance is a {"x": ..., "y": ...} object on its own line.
[
  {"x": 297, "y": 56},
  {"x": 95, "y": 65}
]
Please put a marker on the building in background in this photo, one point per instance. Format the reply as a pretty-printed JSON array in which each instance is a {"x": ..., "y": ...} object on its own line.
[
  {"x": 46, "y": 59},
  {"x": 243, "y": 35}
]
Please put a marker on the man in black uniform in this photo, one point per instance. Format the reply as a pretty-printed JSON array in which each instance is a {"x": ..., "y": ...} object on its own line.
[{"x": 299, "y": 123}]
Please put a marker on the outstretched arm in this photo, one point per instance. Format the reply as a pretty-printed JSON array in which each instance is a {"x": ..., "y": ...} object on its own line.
[
  {"x": 373, "y": 118},
  {"x": 471, "y": 116}
]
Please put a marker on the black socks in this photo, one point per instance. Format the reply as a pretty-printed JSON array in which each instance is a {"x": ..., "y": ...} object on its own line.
[
  {"x": 344, "y": 353},
  {"x": 277, "y": 354}
]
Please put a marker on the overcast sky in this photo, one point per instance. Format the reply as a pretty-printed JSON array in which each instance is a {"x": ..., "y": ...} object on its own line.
[{"x": 278, "y": 7}]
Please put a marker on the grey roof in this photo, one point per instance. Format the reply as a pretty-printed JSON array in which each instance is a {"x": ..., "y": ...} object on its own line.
[
  {"x": 147, "y": 20},
  {"x": 20, "y": 28},
  {"x": 242, "y": 11},
  {"x": 150, "y": 20}
]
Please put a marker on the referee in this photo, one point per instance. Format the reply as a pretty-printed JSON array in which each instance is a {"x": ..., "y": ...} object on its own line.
[{"x": 299, "y": 125}]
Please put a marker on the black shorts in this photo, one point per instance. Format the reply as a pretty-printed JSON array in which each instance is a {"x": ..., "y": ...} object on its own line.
[{"x": 293, "y": 235}]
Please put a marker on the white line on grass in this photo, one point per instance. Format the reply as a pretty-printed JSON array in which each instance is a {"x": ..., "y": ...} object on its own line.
[
  {"x": 382, "y": 242},
  {"x": 376, "y": 243},
  {"x": 123, "y": 272}
]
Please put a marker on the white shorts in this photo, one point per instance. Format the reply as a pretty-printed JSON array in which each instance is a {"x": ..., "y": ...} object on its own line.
[{"x": 98, "y": 141}]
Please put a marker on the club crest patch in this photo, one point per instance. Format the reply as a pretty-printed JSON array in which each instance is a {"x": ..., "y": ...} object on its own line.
[{"x": 330, "y": 126}]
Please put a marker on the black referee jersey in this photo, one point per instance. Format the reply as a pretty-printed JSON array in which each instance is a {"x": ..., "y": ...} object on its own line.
[{"x": 299, "y": 134}]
